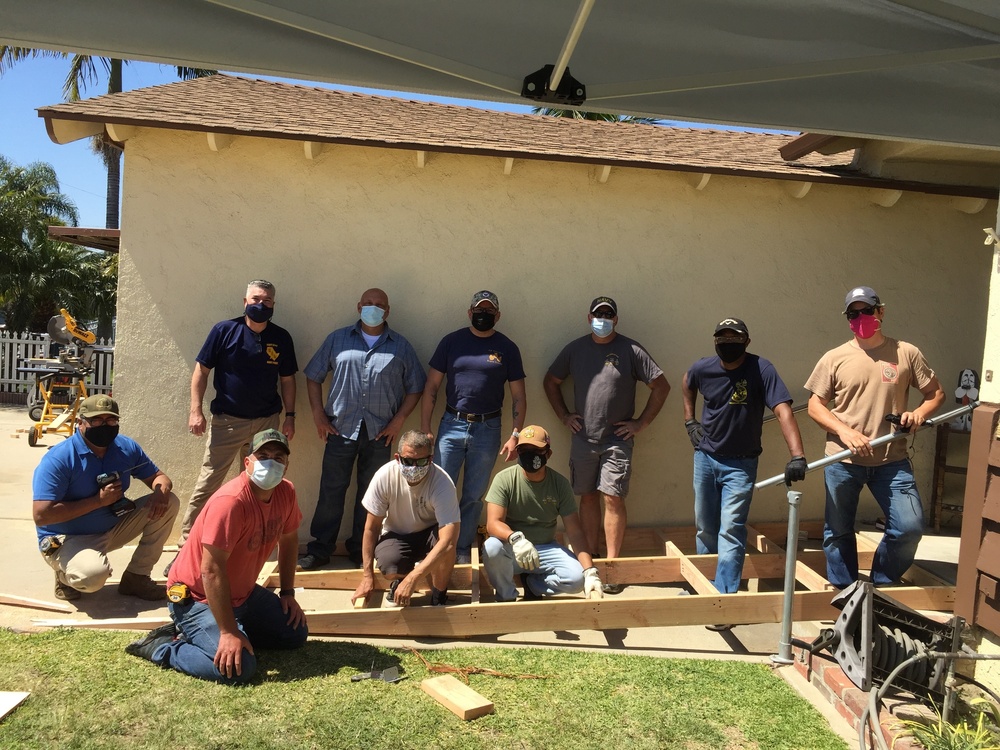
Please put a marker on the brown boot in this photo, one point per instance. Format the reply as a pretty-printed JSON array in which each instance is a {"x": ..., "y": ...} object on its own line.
[
  {"x": 143, "y": 587},
  {"x": 66, "y": 592}
]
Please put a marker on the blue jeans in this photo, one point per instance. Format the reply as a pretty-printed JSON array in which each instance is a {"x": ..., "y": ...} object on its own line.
[
  {"x": 338, "y": 464},
  {"x": 723, "y": 488},
  {"x": 476, "y": 444},
  {"x": 558, "y": 571},
  {"x": 260, "y": 618},
  {"x": 895, "y": 491}
]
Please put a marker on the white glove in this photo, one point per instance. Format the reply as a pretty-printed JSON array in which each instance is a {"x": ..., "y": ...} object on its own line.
[
  {"x": 592, "y": 584},
  {"x": 524, "y": 551}
]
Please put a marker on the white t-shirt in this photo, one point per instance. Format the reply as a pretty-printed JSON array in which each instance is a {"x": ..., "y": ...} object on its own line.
[{"x": 405, "y": 509}]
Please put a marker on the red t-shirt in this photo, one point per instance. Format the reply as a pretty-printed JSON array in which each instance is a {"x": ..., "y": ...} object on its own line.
[{"x": 234, "y": 520}]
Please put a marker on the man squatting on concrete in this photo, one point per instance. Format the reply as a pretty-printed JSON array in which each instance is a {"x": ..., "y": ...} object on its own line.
[
  {"x": 80, "y": 519},
  {"x": 220, "y": 615},
  {"x": 377, "y": 381},
  {"x": 735, "y": 386},
  {"x": 477, "y": 361},
  {"x": 522, "y": 507},
  {"x": 251, "y": 356},
  {"x": 854, "y": 387},
  {"x": 605, "y": 367},
  {"x": 412, "y": 524}
]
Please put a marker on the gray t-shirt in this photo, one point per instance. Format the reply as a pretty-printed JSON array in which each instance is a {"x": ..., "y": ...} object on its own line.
[
  {"x": 604, "y": 378},
  {"x": 405, "y": 509}
]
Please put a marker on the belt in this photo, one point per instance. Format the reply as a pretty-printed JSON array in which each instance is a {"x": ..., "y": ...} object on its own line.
[{"x": 465, "y": 416}]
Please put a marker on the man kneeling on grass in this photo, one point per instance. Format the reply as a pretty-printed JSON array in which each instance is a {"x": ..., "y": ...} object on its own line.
[
  {"x": 220, "y": 614},
  {"x": 522, "y": 507},
  {"x": 413, "y": 519}
]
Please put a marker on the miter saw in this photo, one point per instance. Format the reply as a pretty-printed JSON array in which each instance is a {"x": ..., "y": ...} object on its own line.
[{"x": 59, "y": 380}]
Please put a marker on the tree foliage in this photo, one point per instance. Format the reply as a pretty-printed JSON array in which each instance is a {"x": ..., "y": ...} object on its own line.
[
  {"x": 577, "y": 114},
  {"x": 37, "y": 274}
]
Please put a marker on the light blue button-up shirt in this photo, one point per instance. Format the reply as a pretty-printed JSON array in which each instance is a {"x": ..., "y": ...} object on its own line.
[{"x": 367, "y": 384}]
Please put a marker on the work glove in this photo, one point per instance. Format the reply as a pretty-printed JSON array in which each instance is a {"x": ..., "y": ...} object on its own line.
[
  {"x": 695, "y": 431},
  {"x": 524, "y": 551},
  {"x": 592, "y": 584},
  {"x": 795, "y": 470}
]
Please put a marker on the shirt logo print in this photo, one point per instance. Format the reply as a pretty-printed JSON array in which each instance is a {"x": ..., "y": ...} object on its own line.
[
  {"x": 739, "y": 396},
  {"x": 272, "y": 352},
  {"x": 611, "y": 361},
  {"x": 890, "y": 372},
  {"x": 495, "y": 356}
]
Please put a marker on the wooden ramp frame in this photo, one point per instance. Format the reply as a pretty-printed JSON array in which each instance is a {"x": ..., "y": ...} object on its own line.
[{"x": 765, "y": 560}]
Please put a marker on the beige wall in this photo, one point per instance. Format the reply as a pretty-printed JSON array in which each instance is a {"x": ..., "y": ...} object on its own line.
[{"x": 198, "y": 224}]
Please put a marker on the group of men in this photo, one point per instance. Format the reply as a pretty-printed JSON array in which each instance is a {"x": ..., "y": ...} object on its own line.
[{"x": 409, "y": 519}]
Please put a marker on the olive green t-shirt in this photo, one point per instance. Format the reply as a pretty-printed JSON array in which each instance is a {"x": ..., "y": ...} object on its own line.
[{"x": 533, "y": 507}]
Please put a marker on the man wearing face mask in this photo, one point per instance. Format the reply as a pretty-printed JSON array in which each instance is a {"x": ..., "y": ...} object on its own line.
[
  {"x": 219, "y": 614},
  {"x": 412, "y": 524},
  {"x": 252, "y": 357},
  {"x": 82, "y": 513},
  {"x": 477, "y": 361},
  {"x": 605, "y": 367},
  {"x": 377, "y": 381},
  {"x": 854, "y": 387},
  {"x": 522, "y": 507},
  {"x": 735, "y": 386}
]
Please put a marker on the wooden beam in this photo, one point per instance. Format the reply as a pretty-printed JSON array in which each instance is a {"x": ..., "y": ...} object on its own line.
[
  {"x": 968, "y": 205},
  {"x": 883, "y": 197},
  {"x": 23, "y": 601},
  {"x": 269, "y": 571},
  {"x": 67, "y": 131},
  {"x": 421, "y": 159},
  {"x": 508, "y": 166},
  {"x": 604, "y": 173},
  {"x": 692, "y": 574},
  {"x": 698, "y": 181},
  {"x": 810, "y": 578},
  {"x": 458, "y": 698},
  {"x": 474, "y": 571},
  {"x": 798, "y": 189},
  {"x": 218, "y": 141},
  {"x": 120, "y": 133}
]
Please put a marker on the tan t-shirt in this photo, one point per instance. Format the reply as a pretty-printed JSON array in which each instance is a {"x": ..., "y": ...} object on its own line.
[{"x": 864, "y": 385}]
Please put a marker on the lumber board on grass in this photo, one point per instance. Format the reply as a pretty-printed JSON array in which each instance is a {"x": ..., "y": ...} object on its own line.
[
  {"x": 457, "y": 697},
  {"x": 111, "y": 623},
  {"x": 9, "y": 700},
  {"x": 23, "y": 601}
]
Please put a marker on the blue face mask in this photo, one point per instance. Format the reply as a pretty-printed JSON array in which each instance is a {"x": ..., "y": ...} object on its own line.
[
  {"x": 372, "y": 315},
  {"x": 602, "y": 327}
]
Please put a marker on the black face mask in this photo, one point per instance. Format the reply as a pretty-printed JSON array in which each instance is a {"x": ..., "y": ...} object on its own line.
[
  {"x": 483, "y": 321},
  {"x": 531, "y": 461},
  {"x": 102, "y": 436},
  {"x": 729, "y": 353},
  {"x": 259, "y": 313}
]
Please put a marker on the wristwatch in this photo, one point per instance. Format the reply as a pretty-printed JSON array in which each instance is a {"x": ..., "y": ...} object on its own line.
[
  {"x": 515, "y": 434},
  {"x": 290, "y": 414},
  {"x": 287, "y": 592}
]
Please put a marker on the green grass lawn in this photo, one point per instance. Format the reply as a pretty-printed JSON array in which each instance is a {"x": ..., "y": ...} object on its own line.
[{"x": 87, "y": 693}]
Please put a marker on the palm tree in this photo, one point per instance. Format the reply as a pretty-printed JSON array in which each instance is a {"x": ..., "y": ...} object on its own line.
[
  {"x": 580, "y": 115},
  {"x": 83, "y": 72}
]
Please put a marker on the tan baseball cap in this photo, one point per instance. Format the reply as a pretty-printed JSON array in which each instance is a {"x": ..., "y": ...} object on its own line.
[{"x": 533, "y": 435}]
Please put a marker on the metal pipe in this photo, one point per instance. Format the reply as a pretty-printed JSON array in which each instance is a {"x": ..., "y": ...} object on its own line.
[
  {"x": 570, "y": 44},
  {"x": 838, "y": 457},
  {"x": 784, "y": 655}
]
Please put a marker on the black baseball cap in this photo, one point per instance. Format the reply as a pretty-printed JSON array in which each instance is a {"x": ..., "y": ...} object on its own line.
[{"x": 732, "y": 324}]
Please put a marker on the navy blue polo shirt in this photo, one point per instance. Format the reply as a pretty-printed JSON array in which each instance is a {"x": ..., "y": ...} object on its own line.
[
  {"x": 477, "y": 368},
  {"x": 247, "y": 367}
]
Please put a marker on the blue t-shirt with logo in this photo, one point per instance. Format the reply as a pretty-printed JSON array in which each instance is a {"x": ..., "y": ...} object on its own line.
[
  {"x": 247, "y": 367},
  {"x": 477, "y": 368},
  {"x": 733, "y": 412}
]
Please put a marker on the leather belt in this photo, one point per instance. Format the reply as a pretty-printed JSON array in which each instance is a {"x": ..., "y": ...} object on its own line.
[{"x": 465, "y": 416}]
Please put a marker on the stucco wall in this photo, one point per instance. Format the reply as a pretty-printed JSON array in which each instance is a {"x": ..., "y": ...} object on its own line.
[{"x": 198, "y": 224}]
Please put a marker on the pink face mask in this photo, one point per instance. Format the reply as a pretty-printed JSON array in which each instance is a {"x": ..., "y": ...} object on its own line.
[{"x": 865, "y": 326}]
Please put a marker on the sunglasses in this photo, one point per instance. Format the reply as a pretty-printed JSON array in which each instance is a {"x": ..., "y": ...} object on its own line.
[
  {"x": 603, "y": 314},
  {"x": 853, "y": 314},
  {"x": 415, "y": 461}
]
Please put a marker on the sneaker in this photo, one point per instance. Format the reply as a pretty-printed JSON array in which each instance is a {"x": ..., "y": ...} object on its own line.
[
  {"x": 612, "y": 588},
  {"x": 529, "y": 595},
  {"x": 463, "y": 558},
  {"x": 154, "y": 639},
  {"x": 142, "y": 587},
  {"x": 720, "y": 628},
  {"x": 166, "y": 570},
  {"x": 312, "y": 562},
  {"x": 65, "y": 592},
  {"x": 438, "y": 598},
  {"x": 390, "y": 597}
]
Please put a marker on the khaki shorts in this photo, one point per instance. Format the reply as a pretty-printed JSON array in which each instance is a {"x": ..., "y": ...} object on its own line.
[{"x": 601, "y": 467}]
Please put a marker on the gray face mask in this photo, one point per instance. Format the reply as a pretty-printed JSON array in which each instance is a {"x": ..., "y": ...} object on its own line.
[{"x": 414, "y": 474}]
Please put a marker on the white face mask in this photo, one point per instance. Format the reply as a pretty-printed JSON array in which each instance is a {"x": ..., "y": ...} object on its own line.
[
  {"x": 267, "y": 473},
  {"x": 414, "y": 474}
]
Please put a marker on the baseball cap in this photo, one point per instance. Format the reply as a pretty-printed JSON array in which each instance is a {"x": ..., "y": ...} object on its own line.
[
  {"x": 533, "y": 435},
  {"x": 604, "y": 302},
  {"x": 98, "y": 405},
  {"x": 732, "y": 324},
  {"x": 862, "y": 294},
  {"x": 485, "y": 296},
  {"x": 268, "y": 436}
]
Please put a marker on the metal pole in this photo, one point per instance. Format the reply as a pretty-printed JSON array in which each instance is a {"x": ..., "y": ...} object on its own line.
[
  {"x": 838, "y": 457},
  {"x": 582, "y": 13},
  {"x": 784, "y": 655}
]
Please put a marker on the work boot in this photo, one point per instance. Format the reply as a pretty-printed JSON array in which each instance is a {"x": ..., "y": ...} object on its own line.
[
  {"x": 66, "y": 592},
  {"x": 439, "y": 597},
  {"x": 142, "y": 587},
  {"x": 156, "y": 637},
  {"x": 390, "y": 597},
  {"x": 529, "y": 595},
  {"x": 312, "y": 562}
]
